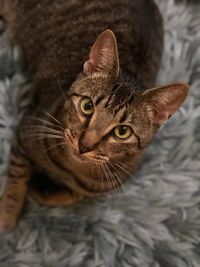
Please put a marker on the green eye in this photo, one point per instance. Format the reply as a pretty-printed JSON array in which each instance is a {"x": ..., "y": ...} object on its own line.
[
  {"x": 122, "y": 131},
  {"x": 86, "y": 106}
]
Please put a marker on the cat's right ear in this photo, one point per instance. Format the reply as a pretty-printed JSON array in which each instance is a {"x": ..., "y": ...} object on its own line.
[{"x": 103, "y": 57}]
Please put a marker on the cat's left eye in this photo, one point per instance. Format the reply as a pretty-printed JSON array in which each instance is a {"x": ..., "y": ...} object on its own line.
[
  {"x": 122, "y": 131},
  {"x": 86, "y": 106}
]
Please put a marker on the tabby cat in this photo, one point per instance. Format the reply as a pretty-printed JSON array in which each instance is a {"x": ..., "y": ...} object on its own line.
[{"x": 94, "y": 107}]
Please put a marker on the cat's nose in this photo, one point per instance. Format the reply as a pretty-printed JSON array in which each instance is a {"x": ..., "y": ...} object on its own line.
[
  {"x": 84, "y": 149},
  {"x": 88, "y": 142}
]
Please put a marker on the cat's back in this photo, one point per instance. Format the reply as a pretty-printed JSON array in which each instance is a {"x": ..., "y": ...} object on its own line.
[{"x": 60, "y": 33}]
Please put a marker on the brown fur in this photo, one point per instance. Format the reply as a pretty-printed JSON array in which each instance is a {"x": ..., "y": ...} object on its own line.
[{"x": 82, "y": 155}]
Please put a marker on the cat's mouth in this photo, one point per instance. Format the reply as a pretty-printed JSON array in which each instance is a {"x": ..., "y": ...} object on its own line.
[{"x": 89, "y": 157}]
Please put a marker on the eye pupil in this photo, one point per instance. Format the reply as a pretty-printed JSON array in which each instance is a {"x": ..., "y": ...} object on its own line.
[
  {"x": 88, "y": 106},
  {"x": 122, "y": 130}
]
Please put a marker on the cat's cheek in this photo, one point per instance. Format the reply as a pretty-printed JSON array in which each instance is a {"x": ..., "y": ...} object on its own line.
[
  {"x": 122, "y": 153},
  {"x": 115, "y": 152}
]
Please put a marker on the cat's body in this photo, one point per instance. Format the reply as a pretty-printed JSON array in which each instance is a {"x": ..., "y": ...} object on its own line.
[
  {"x": 104, "y": 137},
  {"x": 57, "y": 35}
]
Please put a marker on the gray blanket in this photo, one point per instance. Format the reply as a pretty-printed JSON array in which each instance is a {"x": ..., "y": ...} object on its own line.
[{"x": 154, "y": 220}]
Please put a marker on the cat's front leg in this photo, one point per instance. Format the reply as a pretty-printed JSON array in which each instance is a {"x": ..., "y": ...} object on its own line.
[{"x": 15, "y": 192}]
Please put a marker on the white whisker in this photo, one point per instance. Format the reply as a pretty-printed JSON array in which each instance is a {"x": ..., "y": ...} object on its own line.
[
  {"x": 48, "y": 114},
  {"x": 55, "y": 146},
  {"x": 99, "y": 170},
  {"x": 117, "y": 175},
  {"x": 106, "y": 175},
  {"x": 41, "y": 129},
  {"x": 43, "y": 136},
  {"x": 45, "y": 122},
  {"x": 123, "y": 167},
  {"x": 110, "y": 176}
]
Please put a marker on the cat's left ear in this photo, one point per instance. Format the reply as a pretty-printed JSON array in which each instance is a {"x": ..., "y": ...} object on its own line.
[
  {"x": 103, "y": 57},
  {"x": 166, "y": 100}
]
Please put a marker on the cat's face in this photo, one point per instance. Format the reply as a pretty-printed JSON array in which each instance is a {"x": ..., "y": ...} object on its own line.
[
  {"x": 105, "y": 126},
  {"x": 109, "y": 122}
]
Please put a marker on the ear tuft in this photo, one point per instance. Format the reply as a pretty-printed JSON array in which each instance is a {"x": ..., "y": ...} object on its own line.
[
  {"x": 103, "y": 56},
  {"x": 166, "y": 100}
]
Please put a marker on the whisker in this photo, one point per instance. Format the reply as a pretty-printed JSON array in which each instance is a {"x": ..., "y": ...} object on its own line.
[
  {"x": 105, "y": 173},
  {"x": 116, "y": 179},
  {"x": 101, "y": 175},
  {"x": 45, "y": 122},
  {"x": 44, "y": 134},
  {"x": 55, "y": 146},
  {"x": 40, "y": 136},
  {"x": 123, "y": 167},
  {"x": 48, "y": 114},
  {"x": 110, "y": 175},
  {"x": 117, "y": 175},
  {"x": 41, "y": 129}
]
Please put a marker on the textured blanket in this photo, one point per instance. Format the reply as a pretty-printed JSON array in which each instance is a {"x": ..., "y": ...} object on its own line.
[{"x": 153, "y": 220}]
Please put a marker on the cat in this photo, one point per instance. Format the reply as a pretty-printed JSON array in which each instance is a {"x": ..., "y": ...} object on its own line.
[{"x": 94, "y": 108}]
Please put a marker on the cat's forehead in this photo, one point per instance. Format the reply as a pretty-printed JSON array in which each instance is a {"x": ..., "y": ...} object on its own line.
[
  {"x": 113, "y": 97},
  {"x": 92, "y": 87},
  {"x": 119, "y": 91}
]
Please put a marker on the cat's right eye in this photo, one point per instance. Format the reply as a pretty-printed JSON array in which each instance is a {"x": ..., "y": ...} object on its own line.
[{"x": 86, "y": 107}]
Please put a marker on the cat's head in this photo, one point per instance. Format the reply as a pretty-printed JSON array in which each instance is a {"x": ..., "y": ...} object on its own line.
[{"x": 109, "y": 122}]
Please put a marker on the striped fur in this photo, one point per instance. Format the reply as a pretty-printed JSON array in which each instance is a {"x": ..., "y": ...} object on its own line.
[{"x": 80, "y": 155}]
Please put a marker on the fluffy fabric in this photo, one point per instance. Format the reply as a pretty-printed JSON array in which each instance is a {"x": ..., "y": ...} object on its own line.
[{"x": 154, "y": 220}]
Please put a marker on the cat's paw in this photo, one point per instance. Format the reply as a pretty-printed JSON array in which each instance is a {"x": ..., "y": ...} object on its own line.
[{"x": 7, "y": 221}]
